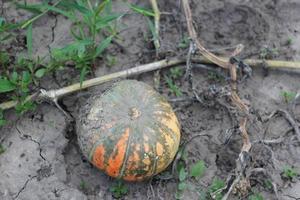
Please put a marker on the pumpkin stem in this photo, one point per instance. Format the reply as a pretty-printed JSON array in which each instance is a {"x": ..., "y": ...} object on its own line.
[{"x": 134, "y": 113}]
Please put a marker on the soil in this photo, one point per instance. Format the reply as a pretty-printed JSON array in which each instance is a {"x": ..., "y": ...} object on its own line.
[{"x": 42, "y": 160}]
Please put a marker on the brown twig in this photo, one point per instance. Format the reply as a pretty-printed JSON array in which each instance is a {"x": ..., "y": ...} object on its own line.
[
  {"x": 243, "y": 108},
  {"x": 290, "y": 119},
  {"x": 192, "y": 32}
]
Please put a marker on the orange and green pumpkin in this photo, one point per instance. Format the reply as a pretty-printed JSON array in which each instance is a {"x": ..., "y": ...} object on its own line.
[{"x": 130, "y": 132}]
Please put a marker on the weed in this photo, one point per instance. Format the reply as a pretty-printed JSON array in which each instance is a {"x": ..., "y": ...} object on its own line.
[
  {"x": 2, "y": 120},
  {"x": 289, "y": 173},
  {"x": 2, "y": 149},
  {"x": 118, "y": 190},
  {"x": 198, "y": 169},
  {"x": 214, "y": 188},
  {"x": 90, "y": 22},
  {"x": 256, "y": 196},
  {"x": 5, "y": 30},
  {"x": 184, "y": 43},
  {"x": 288, "y": 96},
  {"x": 215, "y": 77},
  {"x": 182, "y": 175},
  {"x": 148, "y": 14},
  {"x": 268, "y": 53},
  {"x": 289, "y": 41},
  {"x": 176, "y": 72},
  {"x": 21, "y": 76},
  {"x": 83, "y": 185},
  {"x": 268, "y": 184},
  {"x": 173, "y": 87},
  {"x": 110, "y": 60}
]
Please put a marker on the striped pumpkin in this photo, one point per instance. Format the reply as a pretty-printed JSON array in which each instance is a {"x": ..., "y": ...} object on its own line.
[{"x": 130, "y": 132}]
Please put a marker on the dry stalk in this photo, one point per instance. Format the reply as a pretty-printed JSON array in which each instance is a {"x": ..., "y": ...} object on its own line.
[
  {"x": 243, "y": 108},
  {"x": 273, "y": 64}
]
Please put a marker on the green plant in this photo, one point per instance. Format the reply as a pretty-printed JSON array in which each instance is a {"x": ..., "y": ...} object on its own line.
[
  {"x": 288, "y": 96},
  {"x": 91, "y": 21},
  {"x": 2, "y": 149},
  {"x": 256, "y": 196},
  {"x": 181, "y": 186},
  {"x": 173, "y": 87},
  {"x": 110, "y": 60},
  {"x": 289, "y": 41},
  {"x": 268, "y": 184},
  {"x": 119, "y": 189},
  {"x": 215, "y": 187},
  {"x": 215, "y": 77},
  {"x": 289, "y": 173},
  {"x": 83, "y": 185},
  {"x": 148, "y": 14},
  {"x": 198, "y": 169},
  {"x": 2, "y": 120},
  {"x": 176, "y": 72},
  {"x": 184, "y": 172},
  {"x": 5, "y": 30},
  {"x": 268, "y": 53},
  {"x": 184, "y": 42},
  {"x": 21, "y": 75}
]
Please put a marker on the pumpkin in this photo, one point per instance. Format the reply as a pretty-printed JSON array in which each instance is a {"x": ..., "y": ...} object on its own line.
[{"x": 130, "y": 132}]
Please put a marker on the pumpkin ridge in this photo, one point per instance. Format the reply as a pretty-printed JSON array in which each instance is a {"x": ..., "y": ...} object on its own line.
[
  {"x": 121, "y": 174},
  {"x": 90, "y": 156},
  {"x": 116, "y": 161}
]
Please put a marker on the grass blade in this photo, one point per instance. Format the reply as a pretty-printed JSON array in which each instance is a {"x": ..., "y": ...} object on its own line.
[
  {"x": 106, "y": 20},
  {"x": 152, "y": 29},
  {"x": 100, "y": 8},
  {"x": 29, "y": 40},
  {"x": 74, "y": 6},
  {"x": 34, "y": 8},
  {"x": 103, "y": 45},
  {"x": 141, "y": 10}
]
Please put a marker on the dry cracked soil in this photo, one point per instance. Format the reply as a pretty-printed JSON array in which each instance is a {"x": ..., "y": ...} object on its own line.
[{"x": 42, "y": 160}]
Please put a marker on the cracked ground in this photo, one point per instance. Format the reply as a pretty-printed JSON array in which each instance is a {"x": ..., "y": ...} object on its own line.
[{"x": 42, "y": 160}]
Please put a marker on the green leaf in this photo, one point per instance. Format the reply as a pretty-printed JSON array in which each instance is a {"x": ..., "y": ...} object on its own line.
[
  {"x": 142, "y": 10},
  {"x": 182, "y": 174},
  {"x": 83, "y": 73},
  {"x": 6, "y": 86},
  {"x": 198, "y": 169},
  {"x": 256, "y": 196},
  {"x": 103, "y": 45},
  {"x": 26, "y": 77},
  {"x": 74, "y": 6},
  {"x": 105, "y": 20},
  {"x": 14, "y": 77},
  {"x": 40, "y": 72},
  {"x": 182, "y": 186},
  {"x": 2, "y": 123},
  {"x": 152, "y": 29},
  {"x": 100, "y": 8},
  {"x": 60, "y": 11},
  {"x": 34, "y": 8},
  {"x": 29, "y": 40},
  {"x": 217, "y": 184}
]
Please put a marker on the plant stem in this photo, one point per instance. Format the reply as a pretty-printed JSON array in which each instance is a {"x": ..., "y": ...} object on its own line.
[
  {"x": 38, "y": 16},
  {"x": 156, "y": 23}
]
